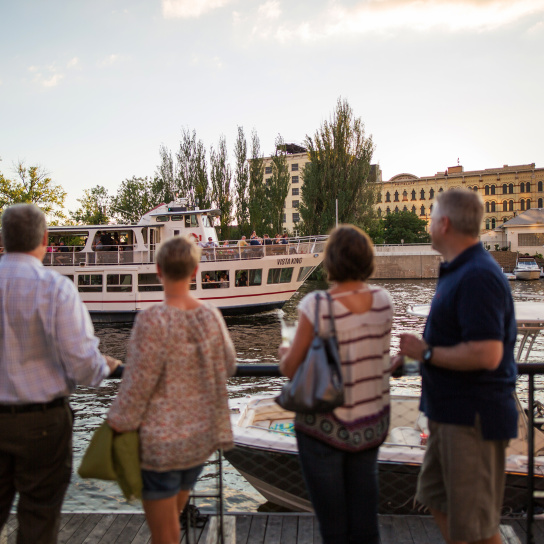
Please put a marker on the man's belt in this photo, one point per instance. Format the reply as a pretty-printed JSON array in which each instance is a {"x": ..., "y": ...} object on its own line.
[{"x": 38, "y": 407}]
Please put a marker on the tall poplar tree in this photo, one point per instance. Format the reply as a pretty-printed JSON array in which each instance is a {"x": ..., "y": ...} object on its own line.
[
  {"x": 340, "y": 155},
  {"x": 221, "y": 175},
  {"x": 279, "y": 185},
  {"x": 241, "y": 180},
  {"x": 258, "y": 203}
]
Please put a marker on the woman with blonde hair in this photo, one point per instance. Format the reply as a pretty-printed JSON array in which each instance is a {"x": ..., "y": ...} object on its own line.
[
  {"x": 338, "y": 450},
  {"x": 174, "y": 390}
]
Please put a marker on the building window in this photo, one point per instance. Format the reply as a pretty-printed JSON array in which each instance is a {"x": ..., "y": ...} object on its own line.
[
  {"x": 504, "y": 205},
  {"x": 396, "y": 196},
  {"x": 413, "y": 194},
  {"x": 505, "y": 189},
  {"x": 522, "y": 205},
  {"x": 422, "y": 195},
  {"x": 493, "y": 223},
  {"x": 539, "y": 186},
  {"x": 422, "y": 212},
  {"x": 396, "y": 209},
  {"x": 295, "y": 203},
  {"x": 405, "y": 209},
  {"x": 511, "y": 189},
  {"x": 487, "y": 207},
  {"x": 440, "y": 190},
  {"x": 531, "y": 239},
  {"x": 511, "y": 206},
  {"x": 267, "y": 169},
  {"x": 528, "y": 187},
  {"x": 405, "y": 195},
  {"x": 294, "y": 167},
  {"x": 387, "y": 211},
  {"x": 284, "y": 218},
  {"x": 379, "y": 197},
  {"x": 475, "y": 188},
  {"x": 294, "y": 179},
  {"x": 528, "y": 204},
  {"x": 413, "y": 209},
  {"x": 487, "y": 224},
  {"x": 492, "y": 189},
  {"x": 296, "y": 218},
  {"x": 294, "y": 191},
  {"x": 387, "y": 197},
  {"x": 430, "y": 209},
  {"x": 486, "y": 190},
  {"x": 540, "y": 203},
  {"x": 379, "y": 212},
  {"x": 492, "y": 207},
  {"x": 431, "y": 194},
  {"x": 522, "y": 187}
]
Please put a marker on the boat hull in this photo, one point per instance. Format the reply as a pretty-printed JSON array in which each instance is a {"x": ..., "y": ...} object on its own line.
[{"x": 527, "y": 275}]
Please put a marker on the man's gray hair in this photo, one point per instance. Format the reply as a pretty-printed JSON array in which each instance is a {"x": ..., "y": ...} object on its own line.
[
  {"x": 464, "y": 208},
  {"x": 23, "y": 227}
]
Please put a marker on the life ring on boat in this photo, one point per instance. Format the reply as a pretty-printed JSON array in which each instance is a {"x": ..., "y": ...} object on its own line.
[{"x": 193, "y": 237}]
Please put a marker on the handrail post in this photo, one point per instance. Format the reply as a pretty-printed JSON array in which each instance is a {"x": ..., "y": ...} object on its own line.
[{"x": 531, "y": 460}]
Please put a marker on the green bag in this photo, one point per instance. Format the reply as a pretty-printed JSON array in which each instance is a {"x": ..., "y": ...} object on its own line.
[
  {"x": 98, "y": 459},
  {"x": 112, "y": 456}
]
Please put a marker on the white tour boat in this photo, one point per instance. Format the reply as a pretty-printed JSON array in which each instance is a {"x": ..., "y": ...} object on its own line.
[
  {"x": 113, "y": 266},
  {"x": 527, "y": 269}
]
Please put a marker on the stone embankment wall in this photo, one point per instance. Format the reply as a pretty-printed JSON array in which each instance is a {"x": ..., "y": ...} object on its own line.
[{"x": 405, "y": 266}]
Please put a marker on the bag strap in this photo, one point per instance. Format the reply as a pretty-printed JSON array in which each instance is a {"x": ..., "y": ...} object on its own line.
[
  {"x": 316, "y": 320},
  {"x": 331, "y": 313}
]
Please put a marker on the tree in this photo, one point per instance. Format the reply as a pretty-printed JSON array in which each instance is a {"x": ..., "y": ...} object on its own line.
[
  {"x": 241, "y": 180},
  {"x": 165, "y": 177},
  {"x": 33, "y": 186},
  {"x": 404, "y": 227},
  {"x": 279, "y": 185},
  {"x": 258, "y": 203},
  {"x": 338, "y": 168},
  {"x": 95, "y": 207},
  {"x": 220, "y": 174},
  {"x": 136, "y": 196},
  {"x": 191, "y": 170}
]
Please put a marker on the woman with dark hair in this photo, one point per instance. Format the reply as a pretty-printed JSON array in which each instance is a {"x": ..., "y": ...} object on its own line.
[
  {"x": 174, "y": 390},
  {"x": 339, "y": 450}
]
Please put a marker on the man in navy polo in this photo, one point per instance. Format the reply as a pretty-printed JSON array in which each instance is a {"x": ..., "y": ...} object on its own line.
[{"x": 468, "y": 377}]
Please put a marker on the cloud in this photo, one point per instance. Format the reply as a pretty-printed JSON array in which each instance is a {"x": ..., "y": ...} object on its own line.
[
  {"x": 48, "y": 76},
  {"x": 185, "y": 9},
  {"x": 73, "y": 63},
  {"x": 110, "y": 60},
  {"x": 365, "y": 17},
  {"x": 52, "y": 81}
]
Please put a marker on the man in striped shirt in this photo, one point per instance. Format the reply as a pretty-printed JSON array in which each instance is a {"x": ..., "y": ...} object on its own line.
[{"x": 47, "y": 348}]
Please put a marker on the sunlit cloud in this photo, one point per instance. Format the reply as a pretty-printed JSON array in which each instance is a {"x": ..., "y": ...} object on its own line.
[
  {"x": 184, "y": 9},
  {"x": 52, "y": 81},
  {"x": 48, "y": 76},
  {"x": 73, "y": 63},
  {"x": 110, "y": 60},
  {"x": 390, "y": 16}
]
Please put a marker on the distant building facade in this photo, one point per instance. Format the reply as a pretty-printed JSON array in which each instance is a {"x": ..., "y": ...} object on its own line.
[{"x": 506, "y": 191}]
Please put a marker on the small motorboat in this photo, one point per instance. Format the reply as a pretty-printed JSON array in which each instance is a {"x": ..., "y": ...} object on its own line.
[
  {"x": 266, "y": 455},
  {"x": 527, "y": 269}
]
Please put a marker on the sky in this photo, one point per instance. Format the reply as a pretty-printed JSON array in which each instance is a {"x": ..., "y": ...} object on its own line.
[{"x": 90, "y": 90}]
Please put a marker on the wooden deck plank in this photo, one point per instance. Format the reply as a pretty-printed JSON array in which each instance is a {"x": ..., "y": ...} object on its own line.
[
  {"x": 257, "y": 529},
  {"x": 317, "y": 532},
  {"x": 416, "y": 528},
  {"x": 100, "y": 529},
  {"x": 85, "y": 528},
  {"x": 115, "y": 530},
  {"x": 143, "y": 536},
  {"x": 273, "y": 530},
  {"x": 71, "y": 526},
  {"x": 243, "y": 526},
  {"x": 305, "y": 530},
  {"x": 433, "y": 532},
  {"x": 289, "y": 530}
]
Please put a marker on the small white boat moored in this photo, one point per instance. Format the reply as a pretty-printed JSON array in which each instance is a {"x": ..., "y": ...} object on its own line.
[{"x": 527, "y": 269}]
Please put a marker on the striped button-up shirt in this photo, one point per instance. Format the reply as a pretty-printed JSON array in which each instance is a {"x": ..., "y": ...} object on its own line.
[{"x": 47, "y": 342}]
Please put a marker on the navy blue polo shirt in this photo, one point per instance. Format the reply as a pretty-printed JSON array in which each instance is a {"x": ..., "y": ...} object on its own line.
[{"x": 472, "y": 302}]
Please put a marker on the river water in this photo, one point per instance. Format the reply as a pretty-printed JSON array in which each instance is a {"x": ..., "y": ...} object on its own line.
[{"x": 256, "y": 339}]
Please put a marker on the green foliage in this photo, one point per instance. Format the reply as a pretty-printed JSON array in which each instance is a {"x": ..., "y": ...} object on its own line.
[
  {"x": 136, "y": 196},
  {"x": 404, "y": 227},
  {"x": 95, "y": 207},
  {"x": 241, "y": 180},
  {"x": 538, "y": 255},
  {"x": 258, "y": 202},
  {"x": 278, "y": 188},
  {"x": 33, "y": 186},
  {"x": 221, "y": 176},
  {"x": 339, "y": 168},
  {"x": 165, "y": 177}
]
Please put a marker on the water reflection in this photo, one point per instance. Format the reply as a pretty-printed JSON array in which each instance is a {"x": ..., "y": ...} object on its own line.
[{"x": 256, "y": 339}]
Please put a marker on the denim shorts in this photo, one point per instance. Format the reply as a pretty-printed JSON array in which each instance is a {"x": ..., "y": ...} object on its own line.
[{"x": 163, "y": 485}]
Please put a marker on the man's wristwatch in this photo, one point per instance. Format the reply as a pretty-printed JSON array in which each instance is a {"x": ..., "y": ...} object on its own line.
[{"x": 427, "y": 354}]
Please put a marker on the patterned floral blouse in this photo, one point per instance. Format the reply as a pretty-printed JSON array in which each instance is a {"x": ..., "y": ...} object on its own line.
[{"x": 174, "y": 386}]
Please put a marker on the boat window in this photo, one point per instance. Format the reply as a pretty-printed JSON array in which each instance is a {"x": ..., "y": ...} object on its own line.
[
  {"x": 149, "y": 282},
  {"x": 89, "y": 283},
  {"x": 248, "y": 278},
  {"x": 215, "y": 279},
  {"x": 280, "y": 275},
  {"x": 304, "y": 272},
  {"x": 191, "y": 221},
  {"x": 206, "y": 221},
  {"x": 192, "y": 284},
  {"x": 119, "y": 283},
  {"x": 162, "y": 218},
  {"x": 144, "y": 234},
  {"x": 176, "y": 217}
]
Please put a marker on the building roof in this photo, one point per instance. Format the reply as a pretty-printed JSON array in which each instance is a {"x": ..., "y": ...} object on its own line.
[{"x": 534, "y": 216}]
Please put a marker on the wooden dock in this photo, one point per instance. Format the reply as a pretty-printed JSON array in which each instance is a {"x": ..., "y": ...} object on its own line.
[{"x": 90, "y": 528}]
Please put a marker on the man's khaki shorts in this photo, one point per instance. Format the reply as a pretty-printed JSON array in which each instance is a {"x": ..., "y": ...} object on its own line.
[{"x": 463, "y": 476}]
